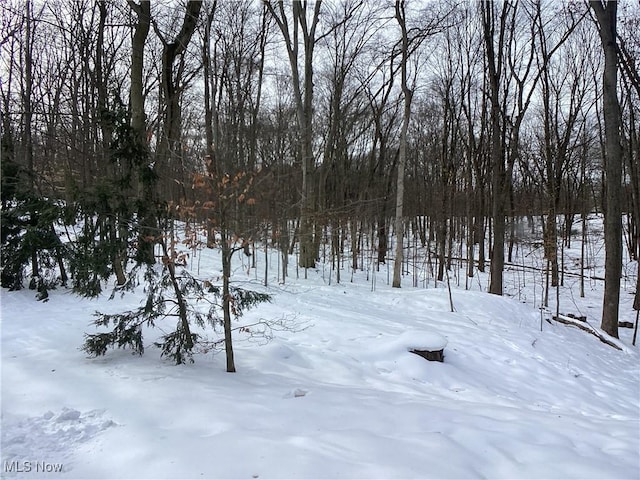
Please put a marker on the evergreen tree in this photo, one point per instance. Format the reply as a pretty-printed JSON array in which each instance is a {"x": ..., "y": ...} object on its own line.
[
  {"x": 170, "y": 294},
  {"x": 175, "y": 292},
  {"x": 27, "y": 232},
  {"x": 109, "y": 213}
]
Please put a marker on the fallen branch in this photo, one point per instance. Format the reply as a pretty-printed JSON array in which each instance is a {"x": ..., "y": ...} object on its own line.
[
  {"x": 518, "y": 266},
  {"x": 586, "y": 327}
]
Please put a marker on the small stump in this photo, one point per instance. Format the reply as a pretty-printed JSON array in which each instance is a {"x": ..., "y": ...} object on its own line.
[
  {"x": 429, "y": 345},
  {"x": 432, "y": 356}
]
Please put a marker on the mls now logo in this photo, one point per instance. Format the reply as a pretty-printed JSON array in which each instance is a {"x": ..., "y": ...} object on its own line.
[{"x": 29, "y": 467}]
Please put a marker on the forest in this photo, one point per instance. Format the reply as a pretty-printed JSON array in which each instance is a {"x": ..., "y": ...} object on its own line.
[{"x": 291, "y": 125}]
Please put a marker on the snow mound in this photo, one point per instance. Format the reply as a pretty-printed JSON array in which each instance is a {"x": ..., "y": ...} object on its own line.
[
  {"x": 50, "y": 436},
  {"x": 419, "y": 340}
]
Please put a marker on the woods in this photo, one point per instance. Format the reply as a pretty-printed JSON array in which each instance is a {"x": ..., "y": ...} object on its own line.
[{"x": 293, "y": 123}]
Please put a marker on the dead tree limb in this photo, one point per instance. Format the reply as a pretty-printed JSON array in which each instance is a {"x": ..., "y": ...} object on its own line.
[{"x": 586, "y": 327}]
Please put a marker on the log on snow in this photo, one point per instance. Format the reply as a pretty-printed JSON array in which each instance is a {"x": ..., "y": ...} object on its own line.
[{"x": 574, "y": 323}]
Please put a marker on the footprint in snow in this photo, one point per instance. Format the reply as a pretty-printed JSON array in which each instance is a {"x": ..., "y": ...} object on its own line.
[{"x": 50, "y": 436}]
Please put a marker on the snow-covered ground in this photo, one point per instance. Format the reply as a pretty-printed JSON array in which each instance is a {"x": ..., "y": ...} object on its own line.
[{"x": 335, "y": 395}]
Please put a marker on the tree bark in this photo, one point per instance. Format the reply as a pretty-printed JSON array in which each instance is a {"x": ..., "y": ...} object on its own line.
[
  {"x": 498, "y": 175},
  {"x": 27, "y": 134},
  {"x": 226, "y": 300},
  {"x": 606, "y": 15},
  {"x": 170, "y": 144},
  {"x": 148, "y": 224},
  {"x": 407, "y": 94},
  {"x": 136, "y": 95}
]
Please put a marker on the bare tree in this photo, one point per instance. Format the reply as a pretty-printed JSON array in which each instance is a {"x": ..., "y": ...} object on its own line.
[
  {"x": 383, "y": 111},
  {"x": 407, "y": 95},
  {"x": 606, "y": 16},
  {"x": 340, "y": 191},
  {"x": 27, "y": 121},
  {"x": 175, "y": 78},
  {"x": 629, "y": 52},
  {"x": 494, "y": 61},
  {"x": 510, "y": 41},
  {"x": 411, "y": 39},
  {"x": 302, "y": 83},
  {"x": 564, "y": 88}
]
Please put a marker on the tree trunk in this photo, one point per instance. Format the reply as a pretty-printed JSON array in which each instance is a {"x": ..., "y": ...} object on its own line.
[
  {"x": 27, "y": 134},
  {"x": 226, "y": 302},
  {"x": 498, "y": 174},
  {"x": 607, "y": 20},
  {"x": 407, "y": 93},
  {"x": 182, "y": 303},
  {"x": 138, "y": 118},
  {"x": 169, "y": 154},
  {"x": 146, "y": 184}
]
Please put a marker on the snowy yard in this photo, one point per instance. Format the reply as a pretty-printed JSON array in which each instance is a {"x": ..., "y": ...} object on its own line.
[
  {"x": 337, "y": 395},
  {"x": 206, "y": 152}
]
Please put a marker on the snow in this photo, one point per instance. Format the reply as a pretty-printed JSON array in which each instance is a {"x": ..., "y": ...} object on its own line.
[
  {"x": 338, "y": 396},
  {"x": 420, "y": 340}
]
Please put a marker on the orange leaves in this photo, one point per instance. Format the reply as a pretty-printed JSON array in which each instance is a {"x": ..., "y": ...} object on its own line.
[
  {"x": 199, "y": 181},
  {"x": 177, "y": 258},
  {"x": 214, "y": 194}
]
